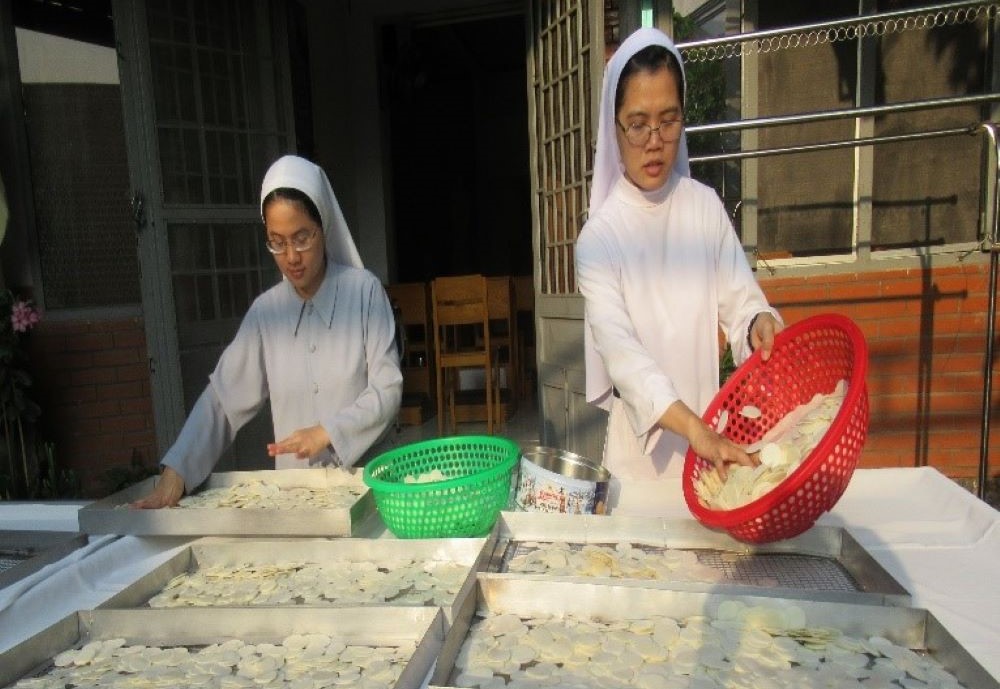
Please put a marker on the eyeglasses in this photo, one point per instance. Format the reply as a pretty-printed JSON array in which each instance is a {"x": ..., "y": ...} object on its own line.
[
  {"x": 639, "y": 134},
  {"x": 300, "y": 242}
]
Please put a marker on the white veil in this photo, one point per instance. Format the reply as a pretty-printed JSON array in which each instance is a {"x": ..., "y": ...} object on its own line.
[
  {"x": 608, "y": 168},
  {"x": 298, "y": 173}
]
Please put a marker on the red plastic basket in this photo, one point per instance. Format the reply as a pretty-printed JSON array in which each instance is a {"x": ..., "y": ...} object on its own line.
[{"x": 809, "y": 357}]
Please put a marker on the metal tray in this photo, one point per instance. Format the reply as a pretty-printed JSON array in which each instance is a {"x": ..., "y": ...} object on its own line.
[
  {"x": 23, "y": 553},
  {"x": 913, "y": 628},
  {"x": 203, "y": 626},
  {"x": 473, "y": 553},
  {"x": 824, "y": 563},
  {"x": 112, "y": 515}
]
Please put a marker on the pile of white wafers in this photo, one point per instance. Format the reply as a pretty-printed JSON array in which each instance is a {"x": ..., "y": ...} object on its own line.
[
  {"x": 301, "y": 661},
  {"x": 343, "y": 583},
  {"x": 741, "y": 648},
  {"x": 782, "y": 449}
]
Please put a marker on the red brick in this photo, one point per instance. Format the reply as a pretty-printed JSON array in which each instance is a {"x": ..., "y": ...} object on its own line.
[
  {"x": 128, "y": 372},
  {"x": 126, "y": 390},
  {"x": 117, "y": 357},
  {"x": 130, "y": 338},
  {"x": 87, "y": 342},
  {"x": 69, "y": 360},
  {"x": 91, "y": 374},
  {"x": 86, "y": 413},
  {"x": 123, "y": 423}
]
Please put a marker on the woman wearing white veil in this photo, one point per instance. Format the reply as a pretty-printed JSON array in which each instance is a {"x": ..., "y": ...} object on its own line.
[
  {"x": 661, "y": 271},
  {"x": 320, "y": 345}
]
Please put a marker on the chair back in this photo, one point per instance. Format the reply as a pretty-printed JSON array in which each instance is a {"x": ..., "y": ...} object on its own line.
[{"x": 459, "y": 300}]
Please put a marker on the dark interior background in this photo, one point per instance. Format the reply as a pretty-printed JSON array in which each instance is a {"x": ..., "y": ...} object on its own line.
[{"x": 458, "y": 127}]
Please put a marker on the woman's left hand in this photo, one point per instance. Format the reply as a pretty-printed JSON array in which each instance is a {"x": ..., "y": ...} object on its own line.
[
  {"x": 765, "y": 327},
  {"x": 303, "y": 443}
]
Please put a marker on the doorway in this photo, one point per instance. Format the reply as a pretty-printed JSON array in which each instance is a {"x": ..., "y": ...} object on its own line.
[{"x": 458, "y": 168}]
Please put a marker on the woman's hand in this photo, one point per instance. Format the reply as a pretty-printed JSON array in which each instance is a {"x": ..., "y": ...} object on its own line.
[
  {"x": 303, "y": 443},
  {"x": 168, "y": 491},
  {"x": 705, "y": 442},
  {"x": 719, "y": 450},
  {"x": 765, "y": 327}
]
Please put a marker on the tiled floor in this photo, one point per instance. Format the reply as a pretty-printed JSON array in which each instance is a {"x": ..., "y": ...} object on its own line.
[{"x": 522, "y": 427}]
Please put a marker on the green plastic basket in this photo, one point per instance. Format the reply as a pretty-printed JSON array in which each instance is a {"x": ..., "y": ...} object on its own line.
[{"x": 466, "y": 504}]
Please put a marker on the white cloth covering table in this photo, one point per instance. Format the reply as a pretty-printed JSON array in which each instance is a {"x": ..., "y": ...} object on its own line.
[{"x": 938, "y": 540}]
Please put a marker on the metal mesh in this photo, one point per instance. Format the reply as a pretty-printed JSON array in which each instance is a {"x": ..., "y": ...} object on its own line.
[
  {"x": 785, "y": 570},
  {"x": 843, "y": 31},
  {"x": 86, "y": 239},
  {"x": 772, "y": 570}
]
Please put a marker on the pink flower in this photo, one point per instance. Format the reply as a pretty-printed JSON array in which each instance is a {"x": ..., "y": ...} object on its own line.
[{"x": 23, "y": 316}]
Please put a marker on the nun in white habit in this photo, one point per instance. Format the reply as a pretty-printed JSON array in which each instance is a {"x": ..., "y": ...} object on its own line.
[
  {"x": 661, "y": 271},
  {"x": 320, "y": 345}
]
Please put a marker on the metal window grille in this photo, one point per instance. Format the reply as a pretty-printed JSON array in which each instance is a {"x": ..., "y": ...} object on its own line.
[{"x": 560, "y": 111}]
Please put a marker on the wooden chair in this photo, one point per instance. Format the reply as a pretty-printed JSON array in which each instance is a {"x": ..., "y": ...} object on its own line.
[
  {"x": 524, "y": 301},
  {"x": 461, "y": 339},
  {"x": 412, "y": 305},
  {"x": 503, "y": 338}
]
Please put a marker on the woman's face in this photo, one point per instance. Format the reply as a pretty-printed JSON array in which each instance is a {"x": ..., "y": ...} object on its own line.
[
  {"x": 650, "y": 98},
  {"x": 287, "y": 221}
]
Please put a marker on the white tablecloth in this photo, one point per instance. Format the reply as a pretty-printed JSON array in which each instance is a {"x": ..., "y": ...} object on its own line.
[{"x": 939, "y": 541}]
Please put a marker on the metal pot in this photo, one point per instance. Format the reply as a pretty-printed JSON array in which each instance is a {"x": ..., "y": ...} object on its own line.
[{"x": 553, "y": 480}]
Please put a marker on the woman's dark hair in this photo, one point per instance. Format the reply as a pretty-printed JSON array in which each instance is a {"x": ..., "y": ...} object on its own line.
[
  {"x": 649, "y": 59},
  {"x": 295, "y": 196}
]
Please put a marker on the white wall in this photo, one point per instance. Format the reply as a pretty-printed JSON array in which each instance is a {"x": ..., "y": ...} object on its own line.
[{"x": 48, "y": 59}]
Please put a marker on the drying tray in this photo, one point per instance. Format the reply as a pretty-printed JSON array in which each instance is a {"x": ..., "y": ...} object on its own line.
[
  {"x": 914, "y": 628},
  {"x": 112, "y": 515},
  {"x": 472, "y": 553},
  {"x": 824, "y": 563},
  {"x": 202, "y": 626},
  {"x": 23, "y": 553}
]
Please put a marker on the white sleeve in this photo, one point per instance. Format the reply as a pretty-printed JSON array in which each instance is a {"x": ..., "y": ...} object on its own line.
[
  {"x": 644, "y": 388},
  {"x": 740, "y": 297},
  {"x": 355, "y": 428},
  {"x": 205, "y": 436}
]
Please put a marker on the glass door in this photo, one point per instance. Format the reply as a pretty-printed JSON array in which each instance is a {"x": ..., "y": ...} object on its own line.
[{"x": 207, "y": 109}]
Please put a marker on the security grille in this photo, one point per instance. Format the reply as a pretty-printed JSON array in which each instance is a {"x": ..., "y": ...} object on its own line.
[{"x": 560, "y": 112}]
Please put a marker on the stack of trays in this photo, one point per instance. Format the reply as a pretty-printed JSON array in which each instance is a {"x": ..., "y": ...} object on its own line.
[
  {"x": 354, "y": 504},
  {"x": 506, "y": 609}
]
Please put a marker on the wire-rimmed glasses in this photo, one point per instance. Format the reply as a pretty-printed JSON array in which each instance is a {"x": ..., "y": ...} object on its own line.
[
  {"x": 637, "y": 134},
  {"x": 300, "y": 242}
]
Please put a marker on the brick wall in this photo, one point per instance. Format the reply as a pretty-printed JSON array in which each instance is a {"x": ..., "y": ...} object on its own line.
[
  {"x": 926, "y": 333},
  {"x": 92, "y": 382}
]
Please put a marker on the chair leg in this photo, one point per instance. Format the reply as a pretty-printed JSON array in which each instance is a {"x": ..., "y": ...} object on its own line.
[
  {"x": 453, "y": 399},
  {"x": 440, "y": 401},
  {"x": 490, "y": 409}
]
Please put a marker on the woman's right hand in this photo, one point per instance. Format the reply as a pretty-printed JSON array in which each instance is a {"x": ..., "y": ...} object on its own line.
[
  {"x": 167, "y": 492},
  {"x": 705, "y": 442}
]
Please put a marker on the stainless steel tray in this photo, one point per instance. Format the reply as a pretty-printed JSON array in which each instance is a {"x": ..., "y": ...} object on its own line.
[
  {"x": 199, "y": 627},
  {"x": 913, "y": 628},
  {"x": 824, "y": 563},
  {"x": 112, "y": 515},
  {"x": 23, "y": 553},
  {"x": 472, "y": 553}
]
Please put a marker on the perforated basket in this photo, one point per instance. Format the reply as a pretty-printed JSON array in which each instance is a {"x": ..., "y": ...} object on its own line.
[
  {"x": 809, "y": 357},
  {"x": 466, "y": 504}
]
